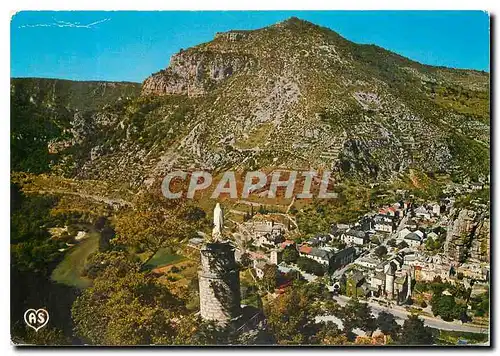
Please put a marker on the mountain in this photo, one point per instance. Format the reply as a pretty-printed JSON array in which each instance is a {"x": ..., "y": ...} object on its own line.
[
  {"x": 292, "y": 95},
  {"x": 47, "y": 115}
]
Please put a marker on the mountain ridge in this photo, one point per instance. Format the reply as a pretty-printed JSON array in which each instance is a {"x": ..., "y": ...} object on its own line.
[{"x": 293, "y": 95}]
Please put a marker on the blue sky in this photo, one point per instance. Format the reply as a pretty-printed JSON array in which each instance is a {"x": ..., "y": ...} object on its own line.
[{"x": 129, "y": 46}]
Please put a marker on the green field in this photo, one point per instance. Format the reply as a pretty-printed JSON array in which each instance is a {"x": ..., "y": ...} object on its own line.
[
  {"x": 163, "y": 257},
  {"x": 69, "y": 271}
]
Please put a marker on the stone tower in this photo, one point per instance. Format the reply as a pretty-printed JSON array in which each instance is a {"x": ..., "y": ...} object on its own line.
[
  {"x": 219, "y": 278},
  {"x": 389, "y": 279},
  {"x": 219, "y": 283}
]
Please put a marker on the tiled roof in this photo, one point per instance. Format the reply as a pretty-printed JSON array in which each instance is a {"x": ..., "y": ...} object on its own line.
[
  {"x": 305, "y": 249},
  {"x": 319, "y": 253},
  {"x": 356, "y": 233},
  {"x": 287, "y": 243}
]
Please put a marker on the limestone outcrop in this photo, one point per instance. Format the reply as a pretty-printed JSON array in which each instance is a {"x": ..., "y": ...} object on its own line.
[
  {"x": 193, "y": 73},
  {"x": 468, "y": 236}
]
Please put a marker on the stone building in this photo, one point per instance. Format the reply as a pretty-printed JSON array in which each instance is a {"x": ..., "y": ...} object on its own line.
[
  {"x": 219, "y": 280},
  {"x": 390, "y": 280},
  {"x": 220, "y": 298},
  {"x": 219, "y": 277}
]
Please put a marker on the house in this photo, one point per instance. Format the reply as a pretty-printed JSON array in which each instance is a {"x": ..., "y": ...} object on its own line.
[
  {"x": 389, "y": 279},
  {"x": 314, "y": 242},
  {"x": 275, "y": 256},
  {"x": 473, "y": 271},
  {"x": 432, "y": 235},
  {"x": 337, "y": 230},
  {"x": 401, "y": 286},
  {"x": 259, "y": 267},
  {"x": 316, "y": 254},
  {"x": 384, "y": 223},
  {"x": 377, "y": 282},
  {"x": 429, "y": 271},
  {"x": 403, "y": 233},
  {"x": 422, "y": 212},
  {"x": 287, "y": 243},
  {"x": 436, "y": 209},
  {"x": 343, "y": 257},
  {"x": 353, "y": 284},
  {"x": 413, "y": 259},
  {"x": 269, "y": 240},
  {"x": 368, "y": 261},
  {"x": 324, "y": 238},
  {"x": 420, "y": 234},
  {"x": 365, "y": 224},
  {"x": 411, "y": 225},
  {"x": 319, "y": 240},
  {"x": 413, "y": 239},
  {"x": 355, "y": 237},
  {"x": 388, "y": 211},
  {"x": 268, "y": 233},
  {"x": 256, "y": 256},
  {"x": 401, "y": 206}
]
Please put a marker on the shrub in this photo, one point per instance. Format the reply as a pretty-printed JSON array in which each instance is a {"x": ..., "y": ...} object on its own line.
[{"x": 310, "y": 266}]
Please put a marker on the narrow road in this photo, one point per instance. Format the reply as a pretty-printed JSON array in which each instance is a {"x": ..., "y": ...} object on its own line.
[
  {"x": 401, "y": 315},
  {"x": 101, "y": 199}
]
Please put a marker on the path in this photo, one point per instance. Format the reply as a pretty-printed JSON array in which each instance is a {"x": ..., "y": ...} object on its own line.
[
  {"x": 401, "y": 315},
  {"x": 109, "y": 201}
]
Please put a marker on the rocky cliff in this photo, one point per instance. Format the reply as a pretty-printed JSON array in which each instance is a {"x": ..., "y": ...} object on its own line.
[
  {"x": 468, "y": 236},
  {"x": 292, "y": 95},
  {"x": 193, "y": 73}
]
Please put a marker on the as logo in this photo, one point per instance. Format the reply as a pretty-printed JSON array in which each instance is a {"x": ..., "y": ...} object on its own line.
[{"x": 36, "y": 319}]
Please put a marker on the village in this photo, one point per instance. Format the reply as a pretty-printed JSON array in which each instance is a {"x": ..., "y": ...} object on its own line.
[{"x": 380, "y": 259}]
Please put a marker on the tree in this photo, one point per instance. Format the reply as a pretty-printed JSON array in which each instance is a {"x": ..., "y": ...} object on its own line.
[
  {"x": 245, "y": 260},
  {"x": 402, "y": 245},
  {"x": 270, "y": 278},
  {"x": 47, "y": 336},
  {"x": 119, "y": 261},
  {"x": 331, "y": 307},
  {"x": 290, "y": 254},
  {"x": 291, "y": 317},
  {"x": 387, "y": 324},
  {"x": 100, "y": 223},
  {"x": 310, "y": 266},
  {"x": 130, "y": 308},
  {"x": 445, "y": 306},
  {"x": 391, "y": 243},
  {"x": 481, "y": 304},
  {"x": 414, "y": 332},
  {"x": 316, "y": 291},
  {"x": 155, "y": 223},
  {"x": 357, "y": 315},
  {"x": 293, "y": 275},
  {"x": 381, "y": 251},
  {"x": 330, "y": 334}
]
